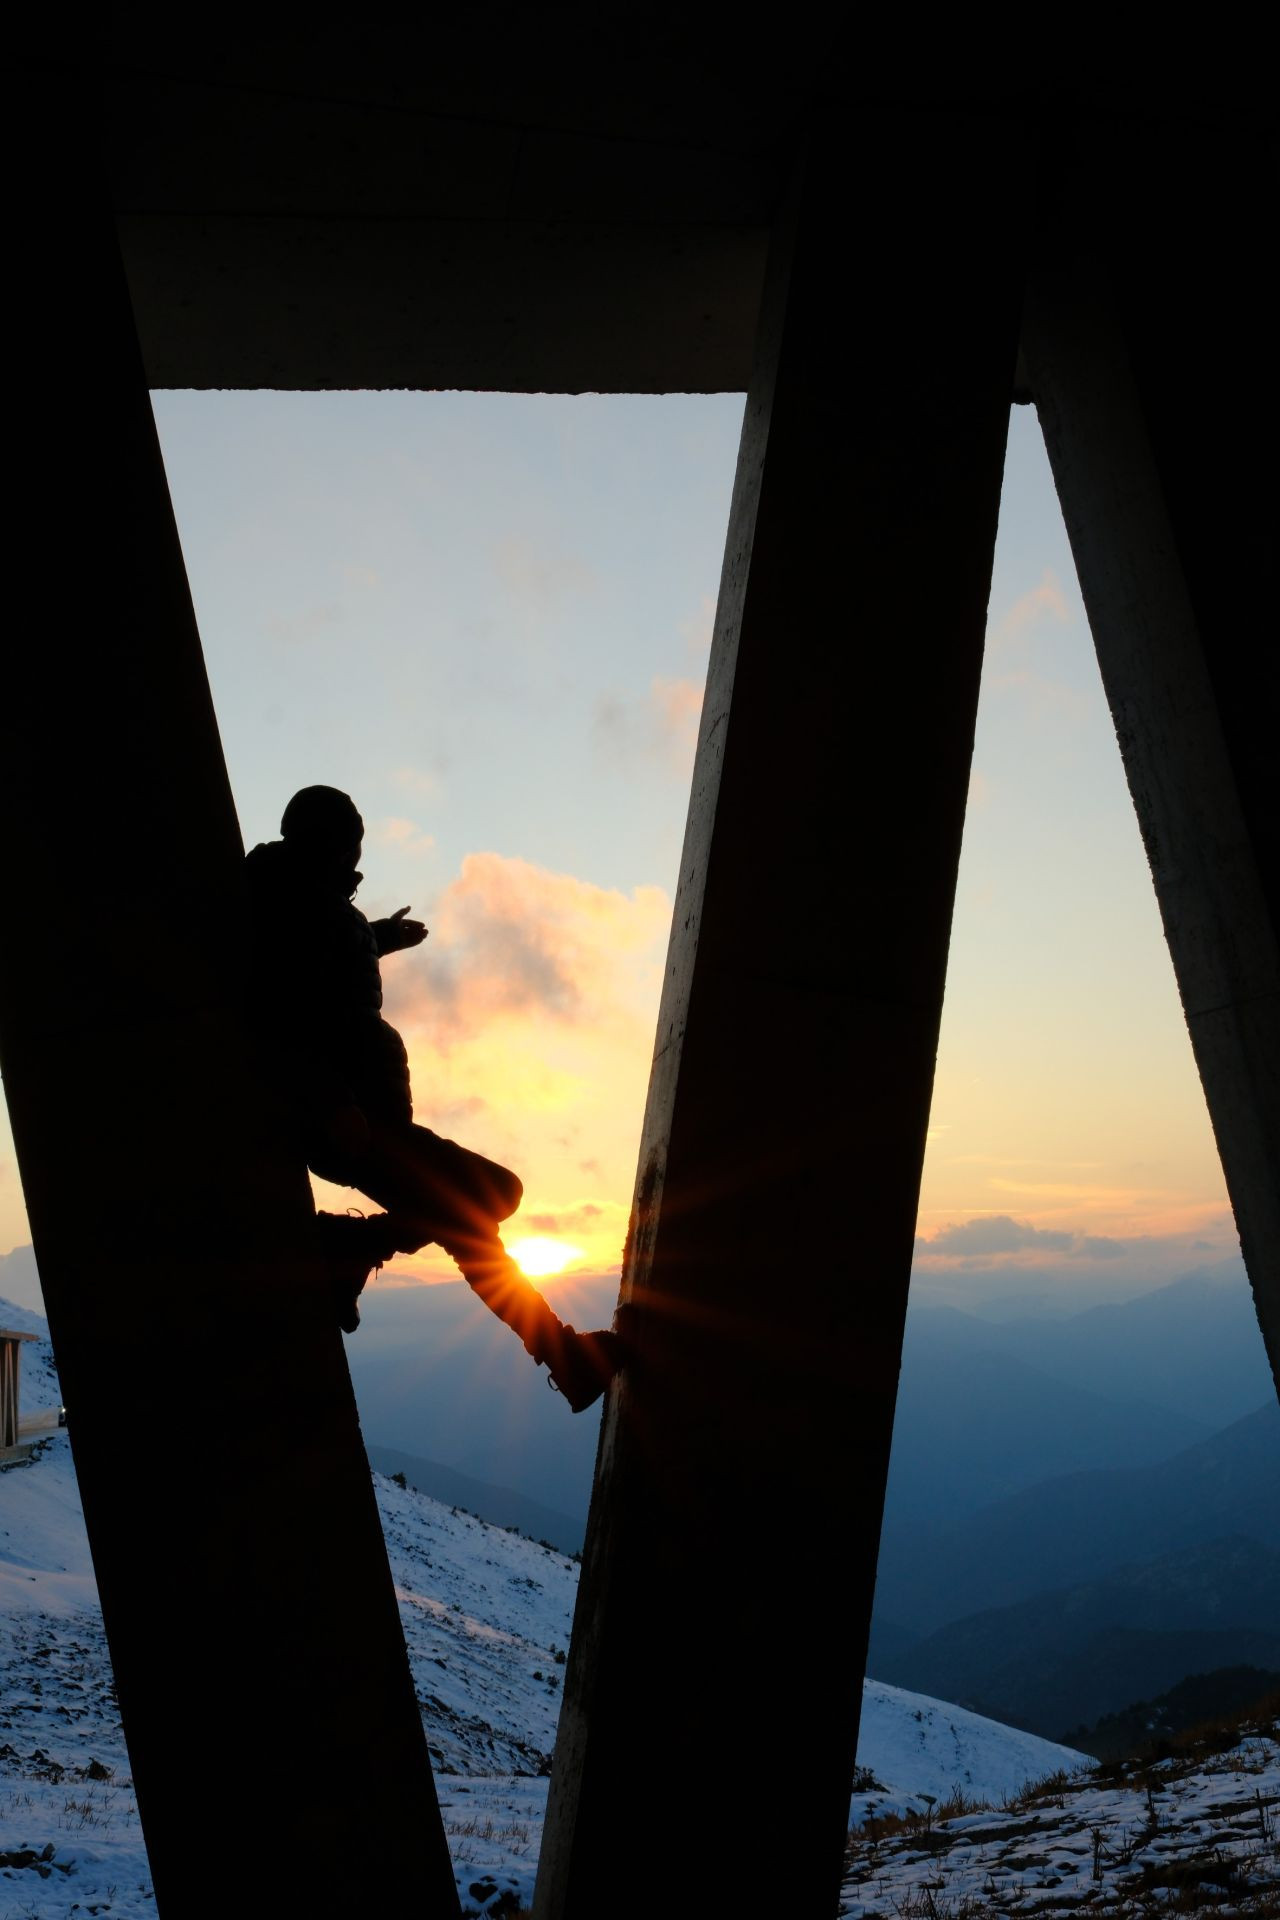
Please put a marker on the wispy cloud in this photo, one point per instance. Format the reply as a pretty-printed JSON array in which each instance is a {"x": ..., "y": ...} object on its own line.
[
  {"x": 1017, "y": 654},
  {"x": 660, "y": 725},
  {"x": 423, "y": 783},
  {"x": 296, "y": 629},
  {"x": 678, "y": 705},
  {"x": 697, "y": 631},
  {"x": 540, "y": 576},
  {"x": 565, "y": 1221},
  {"x": 1092, "y": 1196},
  {"x": 404, "y": 835},
  {"x": 1045, "y": 602}
]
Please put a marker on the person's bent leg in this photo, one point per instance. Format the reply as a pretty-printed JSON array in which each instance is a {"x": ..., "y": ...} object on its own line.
[
  {"x": 436, "y": 1179},
  {"x": 581, "y": 1365},
  {"x": 435, "y": 1190},
  {"x": 353, "y": 1245},
  {"x": 423, "y": 1181}
]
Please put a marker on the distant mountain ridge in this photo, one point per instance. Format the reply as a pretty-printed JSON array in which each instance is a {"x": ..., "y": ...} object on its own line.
[
  {"x": 437, "y": 1376},
  {"x": 500, "y": 1506},
  {"x": 1193, "y": 1347},
  {"x": 974, "y": 1425},
  {"x": 1080, "y": 1526},
  {"x": 1076, "y": 1653},
  {"x": 1146, "y": 1727},
  {"x": 986, "y": 1407}
]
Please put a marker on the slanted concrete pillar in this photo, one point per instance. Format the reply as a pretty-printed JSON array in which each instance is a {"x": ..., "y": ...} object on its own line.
[
  {"x": 712, "y": 1696},
  {"x": 273, "y": 1733},
  {"x": 1144, "y": 313}
]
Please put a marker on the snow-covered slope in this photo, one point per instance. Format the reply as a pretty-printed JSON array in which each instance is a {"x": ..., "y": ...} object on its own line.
[
  {"x": 19, "y": 1281},
  {"x": 486, "y": 1617},
  {"x": 920, "y": 1749},
  {"x": 1197, "y": 1832}
]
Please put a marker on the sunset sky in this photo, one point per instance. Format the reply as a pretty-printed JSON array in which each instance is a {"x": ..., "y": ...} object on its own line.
[{"x": 487, "y": 617}]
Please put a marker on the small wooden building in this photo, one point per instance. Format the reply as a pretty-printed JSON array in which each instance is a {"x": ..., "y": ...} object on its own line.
[{"x": 10, "y": 1356}]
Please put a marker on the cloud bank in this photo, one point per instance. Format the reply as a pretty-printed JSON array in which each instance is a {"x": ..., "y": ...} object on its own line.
[
  {"x": 513, "y": 943},
  {"x": 994, "y": 1241},
  {"x": 529, "y": 1016},
  {"x": 999, "y": 1233}
]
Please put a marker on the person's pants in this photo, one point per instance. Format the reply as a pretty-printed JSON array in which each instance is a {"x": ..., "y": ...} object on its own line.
[
  {"x": 435, "y": 1190},
  {"x": 425, "y": 1180}
]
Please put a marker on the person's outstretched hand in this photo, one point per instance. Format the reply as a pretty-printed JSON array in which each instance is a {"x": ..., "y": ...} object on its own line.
[{"x": 396, "y": 933}]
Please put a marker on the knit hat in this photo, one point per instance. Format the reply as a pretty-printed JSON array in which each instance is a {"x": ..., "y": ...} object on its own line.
[{"x": 322, "y": 817}]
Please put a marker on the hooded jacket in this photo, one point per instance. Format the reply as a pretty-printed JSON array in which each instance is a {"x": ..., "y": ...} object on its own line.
[{"x": 315, "y": 990}]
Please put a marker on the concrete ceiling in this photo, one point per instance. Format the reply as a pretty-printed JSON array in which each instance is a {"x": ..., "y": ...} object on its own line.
[
  {"x": 488, "y": 207},
  {"x": 516, "y": 199}
]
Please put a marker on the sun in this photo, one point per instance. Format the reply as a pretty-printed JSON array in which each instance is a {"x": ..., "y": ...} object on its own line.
[{"x": 539, "y": 1256}]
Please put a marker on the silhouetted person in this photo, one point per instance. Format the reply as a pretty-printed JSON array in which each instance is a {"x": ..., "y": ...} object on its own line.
[{"x": 344, "y": 1074}]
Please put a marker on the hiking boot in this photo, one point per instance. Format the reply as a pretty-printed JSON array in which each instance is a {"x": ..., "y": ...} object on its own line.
[
  {"x": 581, "y": 1365},
  {"x": 352, "y": 1248}
]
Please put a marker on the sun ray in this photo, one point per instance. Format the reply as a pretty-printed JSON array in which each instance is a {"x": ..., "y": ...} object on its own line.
[{"x": 539, "y": 1255}]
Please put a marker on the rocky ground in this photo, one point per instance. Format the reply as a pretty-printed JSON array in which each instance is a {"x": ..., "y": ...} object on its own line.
[{"x": 1198, "y": 1832}]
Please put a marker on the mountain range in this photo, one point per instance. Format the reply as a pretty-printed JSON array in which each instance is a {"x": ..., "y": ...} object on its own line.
[
  {"x": 1075, "y": 1653},
  {"x": 1061, "y": 1535},
  {"x": 1032, "y": 1457},
  {"x": 1078, "y": 1527}
]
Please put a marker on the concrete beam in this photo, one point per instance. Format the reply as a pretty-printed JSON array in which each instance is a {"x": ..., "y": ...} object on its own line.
[
  {"x": 499, "y": 199},
  {"x": 339, "y": 301},
  {"x": 334, "y": 222},
  {"x": 261, "y": 1670},
  {"x": 722, "y": 1622},
  {"x": 1137, "y": 306}
]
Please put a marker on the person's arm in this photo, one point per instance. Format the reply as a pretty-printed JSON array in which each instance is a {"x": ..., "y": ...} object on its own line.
[{"x": 395, "y": 934}]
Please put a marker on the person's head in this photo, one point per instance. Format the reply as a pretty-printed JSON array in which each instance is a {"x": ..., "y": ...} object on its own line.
[{"x": 324, "y": 826}]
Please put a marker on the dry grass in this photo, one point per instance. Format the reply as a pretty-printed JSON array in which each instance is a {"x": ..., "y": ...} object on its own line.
[{"x": 1048, "y": 1791}]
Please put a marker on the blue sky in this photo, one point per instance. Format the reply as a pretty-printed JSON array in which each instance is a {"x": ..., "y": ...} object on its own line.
[
  {"x": 487, "y": 617},
  {"x": 455, "y": 606}
]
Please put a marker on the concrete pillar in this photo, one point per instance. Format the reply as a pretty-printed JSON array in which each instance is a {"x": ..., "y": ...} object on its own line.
[
  {"x": 273, "y": 1732},
  {"x": 714, "y": 1684},
  {"x": 1146, "y": 295}
]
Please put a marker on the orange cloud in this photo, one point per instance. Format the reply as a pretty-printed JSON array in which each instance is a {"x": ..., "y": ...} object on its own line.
[
  {"x": 678, "y": 704},
  {"x": 529, "y": 1017},
  {"x": 422, "y": 783},
  {"x": 663, "y": 726},
  {"x": 698, "y": 630},
  {"x": 1044, "y": 602},
  {"x": 404, "y": 835},
  {"x": 512, "y": 941}
]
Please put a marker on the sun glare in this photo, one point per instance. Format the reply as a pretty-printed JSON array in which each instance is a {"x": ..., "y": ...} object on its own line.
[{"x": 539, "y": 1256}]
